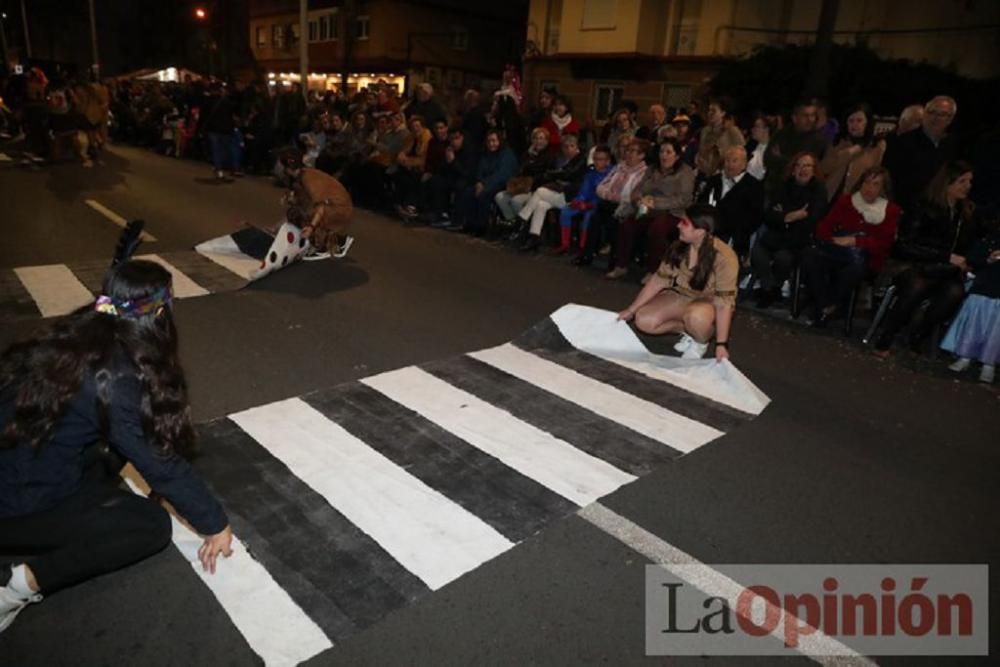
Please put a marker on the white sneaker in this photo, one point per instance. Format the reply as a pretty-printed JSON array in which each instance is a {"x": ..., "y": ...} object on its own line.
[
  {"x": 11, "y": 604},
  {"x": 342, "y": 250},
  {"x": 987, "y": 373},
  {"x": 684, "y": 343},
  {"x": 314, "y": 255},
  {"x": 959, "y": 365},
  {"x": 695, "y": 351}
]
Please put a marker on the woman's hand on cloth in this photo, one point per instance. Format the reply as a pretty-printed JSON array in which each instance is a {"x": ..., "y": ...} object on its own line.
[{"x": 220, "y": 543}]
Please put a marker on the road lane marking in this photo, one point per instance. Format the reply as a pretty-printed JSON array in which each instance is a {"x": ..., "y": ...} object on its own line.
[
  {"x": 816, "y": 646},
  {"x": 425, "y": 531},
  {"x": 114, "y": 217},
  {"x": 54, "y": 288},
  {"x": 183, "y": 286}
]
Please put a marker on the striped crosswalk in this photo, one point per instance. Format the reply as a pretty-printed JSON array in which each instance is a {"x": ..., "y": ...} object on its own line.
[
  {"x": 59, "y": 289},
  {"x": 360, "y": 499}
]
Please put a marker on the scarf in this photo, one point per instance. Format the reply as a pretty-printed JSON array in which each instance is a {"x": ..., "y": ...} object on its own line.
[
  {"x": 873, "y": 213},
  {"x": 561, "y": 123}
]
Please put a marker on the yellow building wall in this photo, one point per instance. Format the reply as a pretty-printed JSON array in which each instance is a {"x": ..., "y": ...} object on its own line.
[{"x": 622, "y": 38}]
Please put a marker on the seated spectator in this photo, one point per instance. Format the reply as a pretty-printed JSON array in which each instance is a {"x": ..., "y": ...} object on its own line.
[
  {"x": 385, "y": 104},
  {"x": 687, "y": 137},
  {"x": 314, "y": 141},
  {"x": 536, "y": 161},
  {"x": 472, "y": 207},
  {"x": 716, "y": 137},
  {"x": 739, "y": 197},
  {"x": 472, "y": 120},
  {"x": 852, "y": 240},
  {"x": 910, "y": 118},
  {"x": 339, "y": 147},
  {"x": 799, "y": 137},
  {"x": 974, "y": 334},
  {"x": 619, "y": 132},
  {"x": 560, "y": 122},
  {"x": 790, "y": 222},
  {"x": 456, "y": 174},
  {"x": 425, "y": 106},
  {"x": 855, "y": 152},
  {"x": 915, "y": 157},
  {"x": 558, "y": 186},
  {"x": 657, "y": 121},
  {"x": 693, "y": 292},
  {"x": 826, "y": 125},
  {"x": 368, "y": 181},
  {"x": 935, "y": 241},
  {"x": 614, "y": 201},
  {"x": 760, "y": 136},
  {"x": 411, "y": 162},
  {"x": 660, "y": 198},
  {"x": 540, "y": 113},
  {"x": 582, "y": 206}
]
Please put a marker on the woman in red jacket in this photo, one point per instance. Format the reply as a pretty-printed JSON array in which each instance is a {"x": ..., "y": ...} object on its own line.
[
  {"x": 853, "y": 240},
  {"x": 560, "y": 122}
]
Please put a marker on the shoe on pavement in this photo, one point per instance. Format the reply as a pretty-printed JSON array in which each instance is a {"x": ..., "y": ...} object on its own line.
[
  {"x": 684, "y": 343},
  {"x": 959, "y": 365},
  {"x": 616, "y": 273},
  {"x": 695, "y": 351},
  {"x": 12, "y": 603},
  {"x": 987, "y": 374},
  {"x": 313, "y": 255},
  {"x": 344, "y": 247},
  {"x": 605, "y": 250}
]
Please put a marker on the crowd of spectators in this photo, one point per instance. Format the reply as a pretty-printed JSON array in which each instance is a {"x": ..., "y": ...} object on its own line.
[{"x": 824, "y": 200}]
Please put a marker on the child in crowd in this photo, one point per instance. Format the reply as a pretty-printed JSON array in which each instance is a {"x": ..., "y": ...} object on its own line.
[
  {"x": 584, "y": 202},
  {"x": 975, "y": 332}
]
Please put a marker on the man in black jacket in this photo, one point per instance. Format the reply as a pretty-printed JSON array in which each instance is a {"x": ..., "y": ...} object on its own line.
[
  {"x": 458, "y": 171},
  {"x": 739, "y": 198},
  {"x": 913, "y": 158}
]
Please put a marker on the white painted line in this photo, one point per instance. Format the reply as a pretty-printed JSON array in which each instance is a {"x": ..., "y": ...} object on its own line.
[
  {"x": 183, "y": 286},
  {"x": 224, "y": 252},
  {"x": 430, "y": 535},
  {"x": 114, "y": 217},
  {"x": 54, "y": 288},
  {"x": 682, "y": 433},
  {"x": 552, "y": 462},
  {"x": 274, "y": 626},
  {"x": 814, "y": 645}
]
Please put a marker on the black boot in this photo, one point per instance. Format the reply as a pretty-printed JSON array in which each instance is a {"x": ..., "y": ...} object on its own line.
[{"x": 530, "y": 244}]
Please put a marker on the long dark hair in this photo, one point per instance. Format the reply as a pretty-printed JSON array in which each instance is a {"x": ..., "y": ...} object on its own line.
[
  {"x": 702, "y": 216},
  {"x": 868, "y": 139},
  {"x": 44, "y": 375}
]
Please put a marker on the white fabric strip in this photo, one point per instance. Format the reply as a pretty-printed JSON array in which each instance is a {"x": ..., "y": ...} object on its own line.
[
  {"x": 430, "y": 535},
  {"x": 600, "y": 333},
  {"x": 817, "y": 646},
  {"x": 682, "y": 433},
  {"x": 274, "y": 626},
  {"x": 224, "y": 252},
  {"x": 556, "y": 464},
  {"x": 114, "y": 217},
  {"x": 54, "y": 288},
  {"x": 183, "y": 286}
]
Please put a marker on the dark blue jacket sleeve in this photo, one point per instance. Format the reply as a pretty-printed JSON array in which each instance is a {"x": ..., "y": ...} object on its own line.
[{"x": 169, "y": 475}]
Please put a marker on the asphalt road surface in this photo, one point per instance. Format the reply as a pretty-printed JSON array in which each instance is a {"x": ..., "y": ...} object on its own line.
[{"x": 855, "y": 461}]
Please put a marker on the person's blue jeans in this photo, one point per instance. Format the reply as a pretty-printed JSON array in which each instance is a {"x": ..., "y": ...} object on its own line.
[{"x": 223, "y": 150}]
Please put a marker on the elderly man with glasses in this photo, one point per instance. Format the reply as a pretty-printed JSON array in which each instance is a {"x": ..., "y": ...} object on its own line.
[{"x": 913, "y": 158}]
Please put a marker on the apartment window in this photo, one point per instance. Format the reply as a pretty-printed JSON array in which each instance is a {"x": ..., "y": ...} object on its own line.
[
  {"x": 361, "y": 27},
  {"x": 261, "y": 36},
  {"x": 292, "y": 33},
  {"x": 323, "y": 27},
  {"x": 460, "y": 39},
  {"x": 608, "y": 99},
  {"x": 599, "y": 14},
  {"x": 278, "y": 36},
  {"x": 687, "y": 29}
]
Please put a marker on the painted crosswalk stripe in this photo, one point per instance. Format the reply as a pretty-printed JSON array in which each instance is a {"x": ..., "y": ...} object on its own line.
[
  {"x": 675, "y": 430},
  {"x": 514, "y": 505},
  {"x": 430, "y": 535},
  {"x": 227, "y": 254},
  {"x": 274, "y": 626},
  {"x": 114, "y": 217},
  {"x": 54, "y": 288},
  {"x": 606, "y": 439},
  {"x": 183, "y": 286},
  {"x": 336, "y": 573},
  {"x": 573, "y": 474}
]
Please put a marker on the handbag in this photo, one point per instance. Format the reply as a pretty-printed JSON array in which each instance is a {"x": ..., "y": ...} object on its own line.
[{"x": 519, "y": 185}]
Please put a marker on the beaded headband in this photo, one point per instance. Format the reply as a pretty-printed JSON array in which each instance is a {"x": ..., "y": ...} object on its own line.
[{"x": 133, "y": 308}]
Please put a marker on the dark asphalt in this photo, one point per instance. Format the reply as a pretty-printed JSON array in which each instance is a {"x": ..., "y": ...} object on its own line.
[{"x": 855, "y": 461}]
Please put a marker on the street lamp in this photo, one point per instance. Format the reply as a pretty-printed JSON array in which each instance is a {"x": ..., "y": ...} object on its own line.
[{"x": 200, "y": 13}]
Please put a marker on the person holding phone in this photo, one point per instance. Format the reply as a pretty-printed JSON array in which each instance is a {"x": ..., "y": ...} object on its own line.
[{"x": 790, "y": 222}]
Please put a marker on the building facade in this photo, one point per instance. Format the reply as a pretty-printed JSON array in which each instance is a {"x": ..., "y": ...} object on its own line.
[
  {"x": 599, "y": 52},
  {"x": 450, "y": 44}
]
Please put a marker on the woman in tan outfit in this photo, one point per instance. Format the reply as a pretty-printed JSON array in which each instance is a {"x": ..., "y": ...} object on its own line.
[
  {"x": 694, "y": 290},
  {"x": 856, "y": 151},
  {"x": 319, "y": 205}
]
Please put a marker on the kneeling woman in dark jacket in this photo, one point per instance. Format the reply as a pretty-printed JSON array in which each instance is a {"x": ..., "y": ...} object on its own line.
[
  {"x": 934, "y": 241},
  {"x": 108, "y": 373},
  {"x": 693, "y": 293}
]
